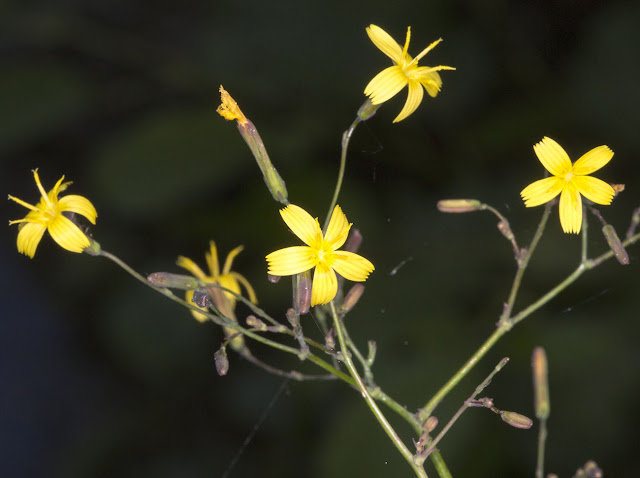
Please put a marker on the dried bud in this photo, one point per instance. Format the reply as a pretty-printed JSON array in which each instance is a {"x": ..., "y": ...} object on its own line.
[
  {"x": 615, "y": 244},
  {"x": 352, "y": 298},
  {"x": 201, "y": 298},
  {"x": 221, "y": 360},
  {"x": 505, "y": 229},
  {"x": 430, "y": 424},
  {"x": 459, "y": 205},
  {"x": 367, "y": 110},
  {"x": 293, "y": 318},
  {"x": 173, "y": 281},
  {"x": 540, "y": 383},
  {"x": 516, "y": 420},
  {"x": 302, "y": 292},
  {"x": 329, "y": 340},
  {"x": 256, "y": 323},
  {"x": 273, "y": 279}
]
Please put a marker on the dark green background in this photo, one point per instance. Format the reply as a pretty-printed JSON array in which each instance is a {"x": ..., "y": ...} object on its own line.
[{"x": 102, "y": 377}]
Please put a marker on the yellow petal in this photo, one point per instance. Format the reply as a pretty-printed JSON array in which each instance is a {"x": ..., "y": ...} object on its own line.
[
  {"x": 386, "y": 84},
  {"x": 385, "y": 43},
  {"x": 302, "y": 224},
  {"x": 230, "y": 257},
  {"x": 192, "y": 267},
  {"x": 542, "y": 191},
  {"x": 594, "y": 189},
  {"x": 79, "y": 205},
  {"x": 553, "y": 157},
  {"x": 291, "y": 260},
  {"x": 338, "y": 229},
  {"x": 325, "y": 285},
  {"x": 228, "y": 281},
  {"x": 570, "y": 209},
  {"x": 197, "y": 315},
  {"x": 430, "y": 79},
  {"x": 351, "y": 266},
  {"x": 592, "y": 160},
  {"x": 413, "y": 100},
  {"x": 67, "y": 234},
  {"x": 29, "y": 238},
  {"x": 212, "y": 260},
  {"x": 252, "y": 294}
]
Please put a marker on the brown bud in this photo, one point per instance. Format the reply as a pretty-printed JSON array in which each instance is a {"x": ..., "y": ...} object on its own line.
[
  {"x": 353, "y": 241},
  {"x": 459, "y": 205},
  {"x": 516, "y": 420},
  {"x": 273, "y": 279},
  {"x": 615, "y": 244},
  {"x": 256, "y": 323},
  {"x": 329, "y": 340},
  {"x": 222, "y": 362},
  {"x": 430, "y": 424}
]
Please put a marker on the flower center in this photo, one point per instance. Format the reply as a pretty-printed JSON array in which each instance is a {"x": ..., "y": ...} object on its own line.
[{"x": 568, "y": 177}]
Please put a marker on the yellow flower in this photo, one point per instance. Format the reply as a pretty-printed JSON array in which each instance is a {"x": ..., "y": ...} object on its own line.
[
  {"x": 406, "y": 71},
  {"x": 225, "y": 302},
  {"x": 48, "y": 215},
  {"x": 320, "y": 252},
  {"x": 229, "y": 109},
  {"x": 570, "y": 181}
]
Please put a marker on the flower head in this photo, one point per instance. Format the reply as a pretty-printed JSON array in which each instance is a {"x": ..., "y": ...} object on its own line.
[
  {"x": 321, "y": 251},
  {"x": 48, "y": 215},
  {"x": 229, "y": 109},
  {"x": 405, "y": 71},
  {"x": 225, "y": 301},
  {"x": 570, "y": 181}
]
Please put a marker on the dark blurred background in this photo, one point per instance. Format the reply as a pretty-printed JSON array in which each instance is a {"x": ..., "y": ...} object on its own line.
[{"x": 100, "y": 376}]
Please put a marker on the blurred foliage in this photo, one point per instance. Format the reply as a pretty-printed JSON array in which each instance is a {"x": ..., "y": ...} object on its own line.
[{"x": 101, "y": 377}]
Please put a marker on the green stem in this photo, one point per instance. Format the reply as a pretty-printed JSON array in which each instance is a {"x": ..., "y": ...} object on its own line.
[
  {"x": 384, "y": 423},
  {"x": 506, "y": 323},
  {"x": 542, "y": 437},
  {"x": 346, "y": 137}
]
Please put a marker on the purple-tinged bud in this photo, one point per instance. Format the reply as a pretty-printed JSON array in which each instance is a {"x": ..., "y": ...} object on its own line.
[
  {"x": 173, "y": 281},
  {"x": 540, "y": 383},
  {"x": 353, "y": 241},
  {"x": 516, "y": 420},
  {"x": 273, "y": 279},
  {"x": 352, "y": 298},
  {"x": 302, "y": 292},
  {"x": 255, "y": 323},
  {"x": 221, "y": 360},
  {"x": 615, "y": 244},
  {"x": 459, "y": 205},
  {"x": 293, "y": 319},
  {"x": 591, "y": 470}
]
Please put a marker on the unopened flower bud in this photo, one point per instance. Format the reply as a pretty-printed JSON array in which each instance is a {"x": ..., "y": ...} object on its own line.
[
  {"x": 352, "y": 298},
  {"x": 459, "y": 205},
  {"x": 329, "y": 340},
  {"x": 230, "y": 110},
  {"x": 367, "y": 110},
  {"x": 273, "y": 279},
  {"x": 540, "y": 383},
  {"x": 221, "y": 360},
  {"x": 615, "y": 244},
  {"x": 353, "y": 241},
  {"x": 516, "y": 420},
  {"x": 293, "y": 318},
  {"x": 302, "y": 292},
  {"x": 173, "y": 281},
  {"x": 256, "y": 323},
  {"x": 430, "y": 424}
]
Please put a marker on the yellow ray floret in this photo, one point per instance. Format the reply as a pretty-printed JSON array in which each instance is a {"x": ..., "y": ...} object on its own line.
[
  {"x": 570, "y": 181},
  {"x": 225, "y": 278},
  {"x": 47, "y": 216},
  {"x": 320, "y": 252},
  {"x": 404, "y": 72}
]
